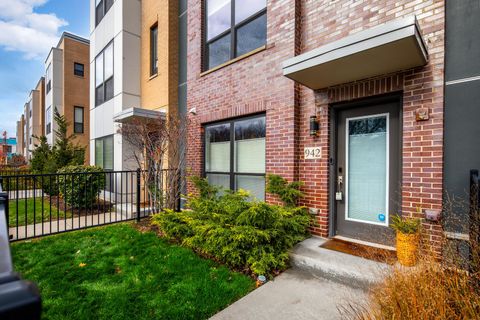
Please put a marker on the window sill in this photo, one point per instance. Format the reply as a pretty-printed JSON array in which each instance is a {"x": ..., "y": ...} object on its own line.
[
  {"x": 77, "y": 76},
  {"x": 153, "y": 76},
  {"x": 229, "y": 62}
]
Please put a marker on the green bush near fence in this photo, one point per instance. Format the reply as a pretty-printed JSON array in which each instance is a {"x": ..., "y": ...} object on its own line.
[
  {"x": 81, "y": 185},
  {"x": 246, "y": 235}
]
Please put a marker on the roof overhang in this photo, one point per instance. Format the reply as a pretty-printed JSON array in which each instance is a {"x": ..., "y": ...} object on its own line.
[
  {"x": 393, "y": 46},
  {"x": 132, "y": 114}
]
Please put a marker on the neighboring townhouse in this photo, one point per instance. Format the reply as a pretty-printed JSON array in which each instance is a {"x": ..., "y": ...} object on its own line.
[
  {"x": 26, "y": 131},
  {"x": 36, "y": 115},
  {"x": 347, "y": 97},
  {"x": 67, "y": 89},
  {"x": 20, "y": 136},
  {"x": 134, "y": 52}
]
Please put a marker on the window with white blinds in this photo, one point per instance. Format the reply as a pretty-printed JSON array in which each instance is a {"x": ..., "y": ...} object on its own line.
[{"x": 235, "y": 155}]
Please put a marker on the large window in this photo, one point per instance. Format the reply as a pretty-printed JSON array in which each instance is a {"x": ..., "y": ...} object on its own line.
[
  {"x": 235, "y": 155},
  {"x": 79, "y": 69},
  {"x": 233, "y": 28},
  {"x": 104, "y": 75},
  {"x": 48, "y": 118},
  {"x": 104, "y": 152},
  {"x": 154, "y": 50},
  {"x": 101, "y": 8},
  {"x": 78, "y": 120}
]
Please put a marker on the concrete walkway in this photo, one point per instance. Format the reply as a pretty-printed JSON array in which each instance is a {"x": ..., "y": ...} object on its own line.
[
  {"x": 295, "y": 294},
  {"x": 320, "y": 284}
]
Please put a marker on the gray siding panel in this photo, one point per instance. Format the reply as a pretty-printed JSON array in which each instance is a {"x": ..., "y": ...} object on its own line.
[{"x": 462, "y": 39}]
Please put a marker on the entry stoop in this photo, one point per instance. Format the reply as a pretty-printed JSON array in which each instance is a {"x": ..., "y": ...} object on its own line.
[{"x": 352, "y": 271}]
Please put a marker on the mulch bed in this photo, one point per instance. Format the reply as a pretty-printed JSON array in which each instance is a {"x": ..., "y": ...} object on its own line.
[{"x": 99, "y": 207}]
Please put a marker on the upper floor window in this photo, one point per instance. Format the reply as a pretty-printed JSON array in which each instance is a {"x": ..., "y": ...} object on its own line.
[
  {"x": 154, "y": 50},
  {"x": 48, "y": 78},
  {"x": 48, "y": 120},
  {"x": 104, "y": 75},
  {"x": 233, "y": 28},
  {"x": 78, "y": 120},
  {"x": 101, "y": 8},
  {"x": 79, "y": 69}
]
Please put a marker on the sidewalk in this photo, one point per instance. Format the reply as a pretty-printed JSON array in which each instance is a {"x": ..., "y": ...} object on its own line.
[
  {"x": 320, "y": 283},
  {"x": 295, "y": 294}
]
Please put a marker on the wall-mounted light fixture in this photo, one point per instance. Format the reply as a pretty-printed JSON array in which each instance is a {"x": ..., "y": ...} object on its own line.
[{"x": 314, "y": 126}]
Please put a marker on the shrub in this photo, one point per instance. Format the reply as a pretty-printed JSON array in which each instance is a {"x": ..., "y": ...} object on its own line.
[
  {"x": 405, "y": 225},
  {"x": 289, "y": 193},
  {"x": 47, "y": 159},
  {"x": 80, "y": 185},
  {"x": 245, "y": 235}
]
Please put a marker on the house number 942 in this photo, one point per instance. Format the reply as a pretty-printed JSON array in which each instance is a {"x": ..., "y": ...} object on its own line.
[{"x": 312, "y": 153}]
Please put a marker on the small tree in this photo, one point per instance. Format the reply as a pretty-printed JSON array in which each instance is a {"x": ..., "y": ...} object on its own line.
[
  {"x": 40, "y": 155},
  {"x": 47, "y": 159},
  {"x": 159, "y": 149},
  {"x": 65, "y": 151}
]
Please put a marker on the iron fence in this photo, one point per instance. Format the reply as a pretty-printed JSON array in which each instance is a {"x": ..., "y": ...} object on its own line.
[{"x": 45, "y": 204}]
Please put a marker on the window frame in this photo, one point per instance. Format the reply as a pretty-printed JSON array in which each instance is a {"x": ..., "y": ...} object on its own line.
[
  {"x": 75, "y": 64},
  {"x": 112, "y": 77},
  {"x": 154, "y": 49},
  {"x": 48, "y": 78},
  {"x": 103, "y": 4},
  {"x": 80, "y": 123},
  {"x": 103, "y": 151},
  {"x": 48, "y": 126},
  {"x": 232, "y": 30},
  {"x": 232, "y": 173}
]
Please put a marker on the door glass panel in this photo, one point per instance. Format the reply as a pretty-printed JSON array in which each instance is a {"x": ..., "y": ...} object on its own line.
[{"x": 367, "y": 169}]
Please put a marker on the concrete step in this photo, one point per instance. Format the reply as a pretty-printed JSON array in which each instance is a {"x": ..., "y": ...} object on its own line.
[{"x": 340, "y": 267}]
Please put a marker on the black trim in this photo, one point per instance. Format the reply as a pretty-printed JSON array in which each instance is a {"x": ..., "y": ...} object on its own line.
[
  {"x": 232, "y": 30},
  {"x": 104, "y": 89},
  {"x": 78, "y": 72},
  {"x": 79, "y": 124},
  {"x": 154, "y": 49}
]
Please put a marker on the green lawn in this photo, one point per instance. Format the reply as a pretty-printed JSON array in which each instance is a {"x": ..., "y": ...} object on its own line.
[
  {"x": 33, "y": 210},
  {"x": 116, "y": 272}
]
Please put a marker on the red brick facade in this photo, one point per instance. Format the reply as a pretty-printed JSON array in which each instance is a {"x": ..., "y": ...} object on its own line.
[{"x": 256, "y": 84}]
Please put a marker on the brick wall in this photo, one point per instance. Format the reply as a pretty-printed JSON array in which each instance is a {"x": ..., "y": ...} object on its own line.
[
  {"x": 422, "y": 148},
  {"x": 76, "y": 90},
  {"x": 256, "y": 84}
]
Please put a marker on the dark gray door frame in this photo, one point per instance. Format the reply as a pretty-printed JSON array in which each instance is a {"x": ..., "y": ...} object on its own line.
[{"x": 334, "y": 108}]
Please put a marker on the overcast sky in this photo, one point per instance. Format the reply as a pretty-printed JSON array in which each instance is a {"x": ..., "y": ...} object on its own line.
[{"x": 28, "y": 29}]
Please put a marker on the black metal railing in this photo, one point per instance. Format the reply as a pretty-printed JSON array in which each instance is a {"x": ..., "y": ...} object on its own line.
[
  {"x": 19, "y": 299},
  {"x": 45, "y": 204}
]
